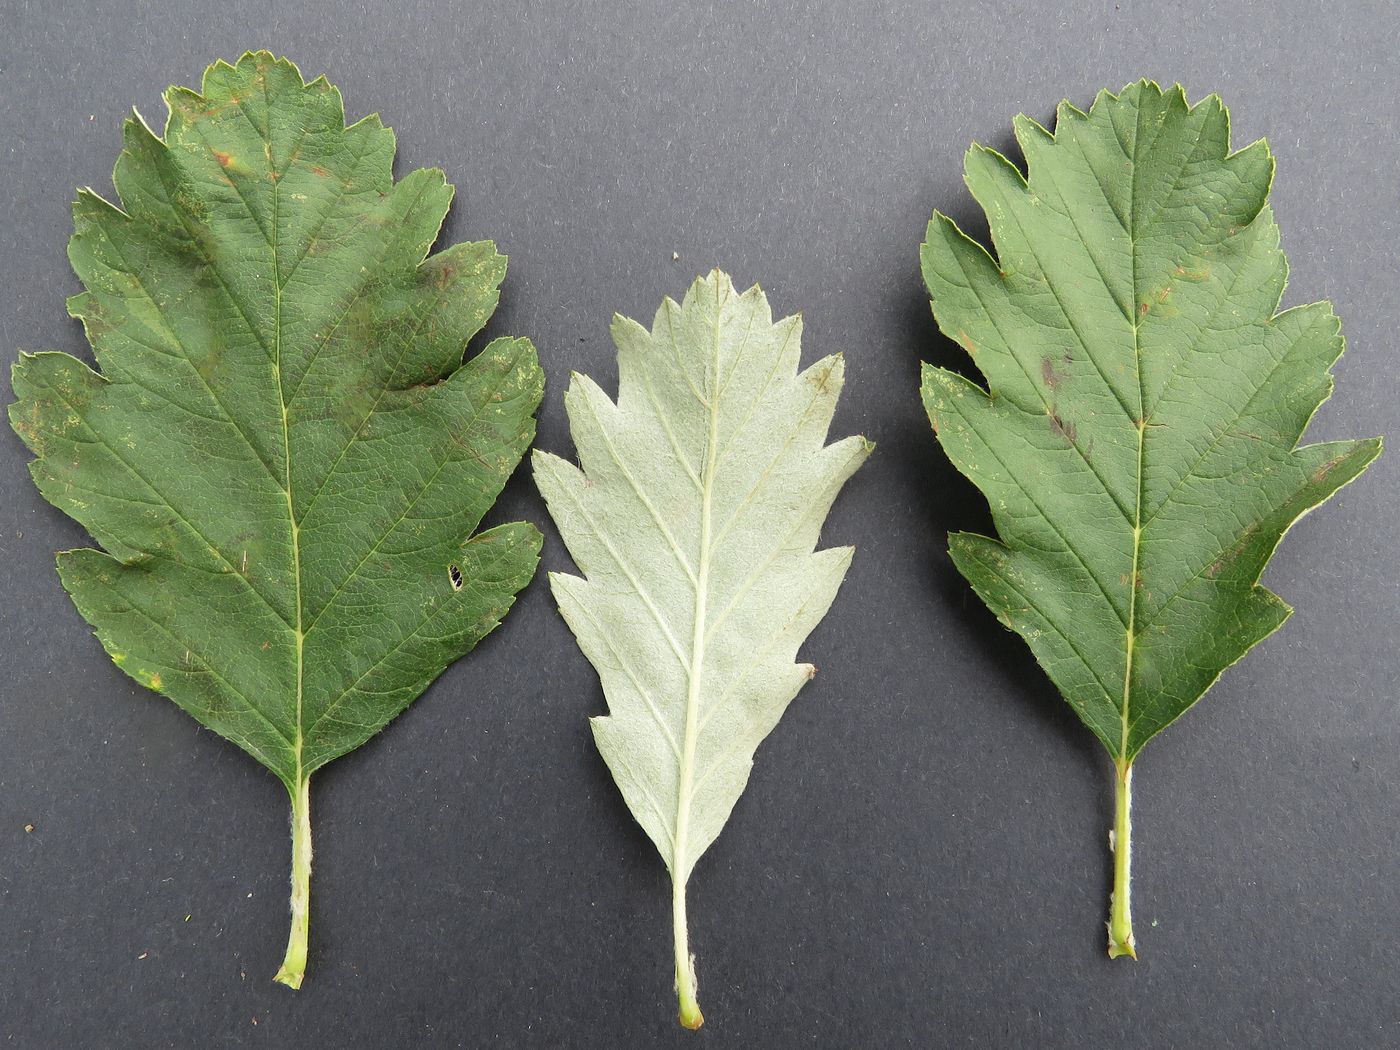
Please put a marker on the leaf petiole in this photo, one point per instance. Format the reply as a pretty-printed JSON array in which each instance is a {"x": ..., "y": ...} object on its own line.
[
  {"x": 1120, "y": 918},
  {"x": 689, "y": 1016},
  {"x": 294, "y": 965}
]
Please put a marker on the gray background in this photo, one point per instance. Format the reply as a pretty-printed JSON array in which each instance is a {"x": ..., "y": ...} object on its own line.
[{"x": 920, "y": 857}]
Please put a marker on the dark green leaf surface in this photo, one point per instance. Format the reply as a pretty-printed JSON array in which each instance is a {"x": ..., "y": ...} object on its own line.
[
  {"x": 283, "y": 456},
  {"x": 1137, "y": 437}
]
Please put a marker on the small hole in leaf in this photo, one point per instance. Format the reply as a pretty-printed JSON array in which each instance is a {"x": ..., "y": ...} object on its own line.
[{"x": 455, "y": 575}]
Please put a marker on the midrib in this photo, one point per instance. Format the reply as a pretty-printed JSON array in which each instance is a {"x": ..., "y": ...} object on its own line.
[
  {"x": 697, "y": 645},
  {"x": 298, "y": 633},
  {"x": 1137, "y": 318},
  {"x": 1131, "y": 629}
]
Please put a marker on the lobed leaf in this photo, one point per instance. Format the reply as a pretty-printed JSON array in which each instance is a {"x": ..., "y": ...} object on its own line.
[
  {"x": 1137, "y": 438},
  {"x": 283, "y": 456},
  {"x": 693, "y": 516}
]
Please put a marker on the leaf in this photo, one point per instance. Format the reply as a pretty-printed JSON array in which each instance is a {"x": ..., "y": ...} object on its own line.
[
  {"x": 1137, "y": 440},
  {"x": 694, "y": 517},
  {"x": 283, "y": 456}
]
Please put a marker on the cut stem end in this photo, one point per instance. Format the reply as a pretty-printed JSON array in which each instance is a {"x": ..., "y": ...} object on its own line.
[
  {"x": 294, "y": 964},
  {"x": 293, "y": 971},
  {"x": 690, "y": 1015}
]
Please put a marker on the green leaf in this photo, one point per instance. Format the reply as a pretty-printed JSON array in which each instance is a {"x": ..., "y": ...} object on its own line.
[
  {"x": 694, "y": 517},
  {"x": 283, "y": 456},
  {"x": 1137, "y": 440}
]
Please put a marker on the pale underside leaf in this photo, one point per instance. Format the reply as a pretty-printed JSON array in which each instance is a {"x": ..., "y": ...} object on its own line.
[{"x": 694, "y": 517}]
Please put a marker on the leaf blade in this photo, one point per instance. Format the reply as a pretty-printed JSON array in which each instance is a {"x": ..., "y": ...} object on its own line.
[{"x": 1138, "y": 376}]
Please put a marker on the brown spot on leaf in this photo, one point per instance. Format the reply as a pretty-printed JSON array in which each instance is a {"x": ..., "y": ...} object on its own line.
[
  {"x": 1059, "y": 427},
  {"x": 444, "y": 275},
  {"x": 1232, "y": 555},
  {"x": 1048, "y": 373},
  {"x": 319, "y": 171},
  {"x": 223, "y": 158},
  {"x": 1320, "y": 474}
]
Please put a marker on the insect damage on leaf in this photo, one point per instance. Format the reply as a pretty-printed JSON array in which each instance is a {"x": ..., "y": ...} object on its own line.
[
  {"x": 694, "y": 517},
  {"x": 1138, "y": 436},
  {"x": 283, "y": 447}
]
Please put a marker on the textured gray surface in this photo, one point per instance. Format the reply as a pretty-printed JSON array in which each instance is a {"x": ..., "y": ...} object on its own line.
[{"x": 919, "y": 858}]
